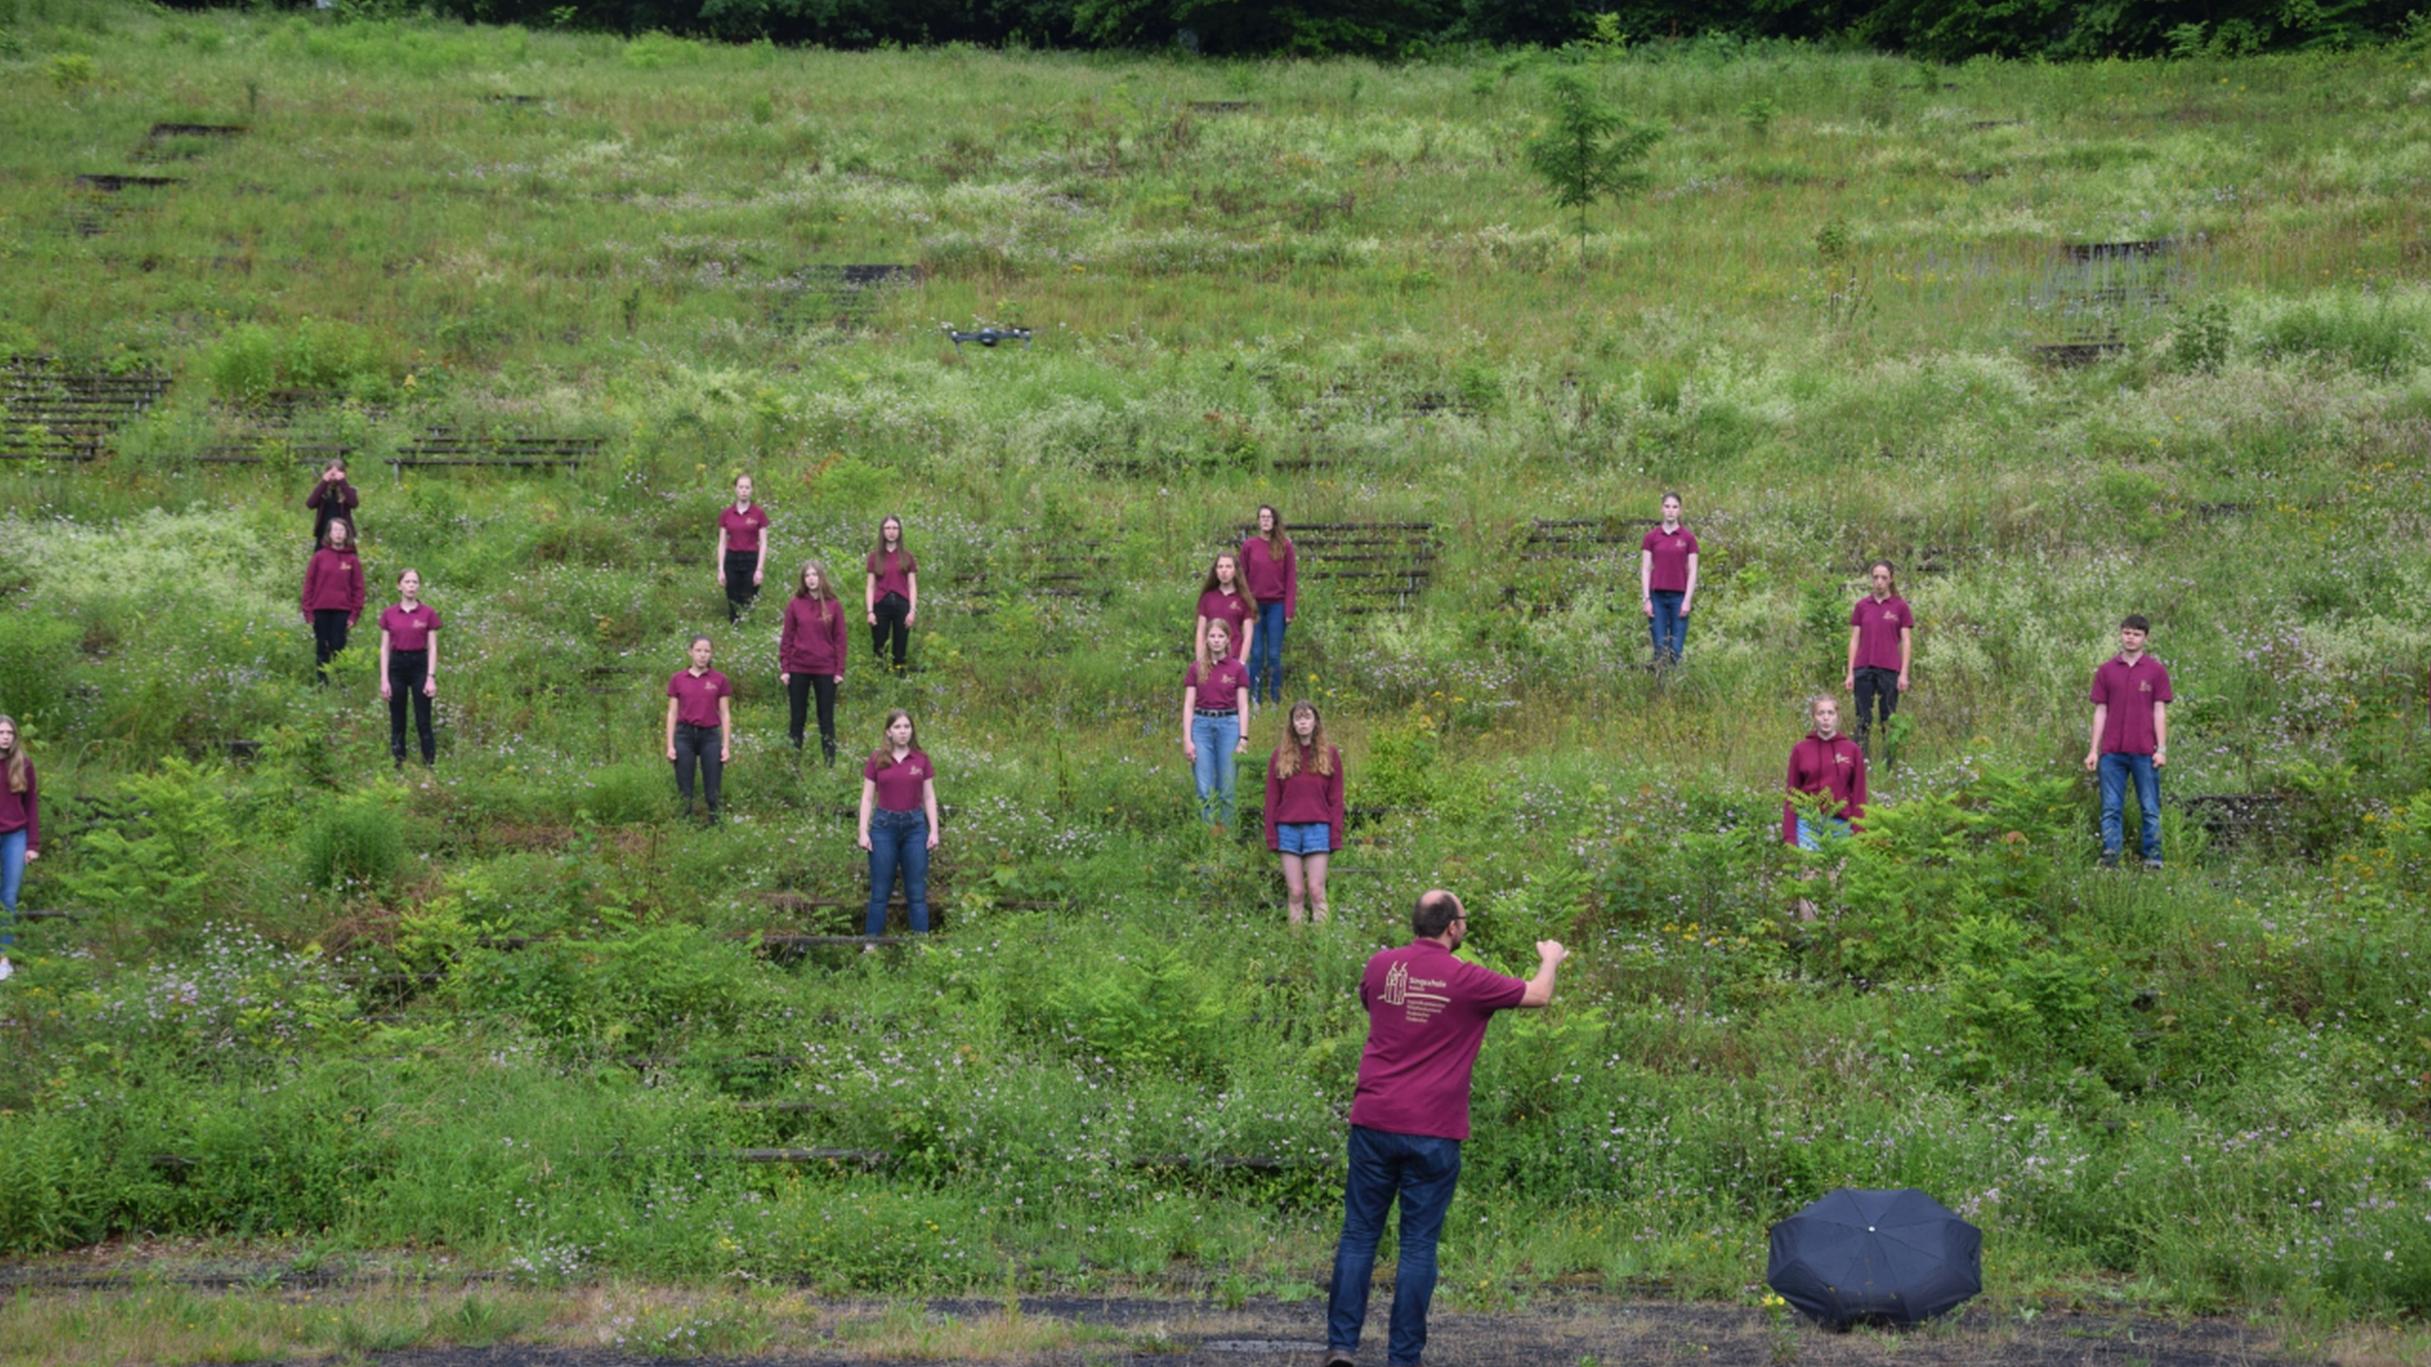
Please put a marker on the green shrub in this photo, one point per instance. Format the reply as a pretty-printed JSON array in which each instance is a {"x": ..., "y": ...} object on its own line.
[
  {"x": 251, "y": 360},
  {"x": 2377, "y": 338},
  {"x": 37, "y": 662},
  {"x": 167, "y": 859},
  {"x": 357, "y": 841}
]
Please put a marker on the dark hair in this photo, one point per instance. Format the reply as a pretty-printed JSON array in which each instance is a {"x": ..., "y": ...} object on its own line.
[
  {"x": 902, "y": 546},
  {"x": 1276, "y": 537},
  {"x": 1671, "y": 496},
  {"x": 334, "y": 524},
  {"x": 2134, "y": 621},
  {"x": 886, "y": 749},
  {"x": 697, "y": 638},
  {"x": 1240, "y": 578},
  {"x": 1883, "y": 565},
  {"x": 1434, "y": 913}
]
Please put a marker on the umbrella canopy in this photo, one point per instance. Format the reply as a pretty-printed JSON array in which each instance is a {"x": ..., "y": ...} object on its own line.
[{"x": 1893, "y": 1256}]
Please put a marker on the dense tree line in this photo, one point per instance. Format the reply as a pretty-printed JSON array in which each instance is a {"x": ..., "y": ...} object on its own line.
[{"x": 1941, "y": 29}]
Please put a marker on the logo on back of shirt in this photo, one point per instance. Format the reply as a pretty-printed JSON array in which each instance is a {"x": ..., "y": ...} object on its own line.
[{"x": 1397, "y": 985}]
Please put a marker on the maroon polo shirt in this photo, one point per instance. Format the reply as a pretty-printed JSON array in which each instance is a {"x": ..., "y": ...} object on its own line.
[
  {"x": 1306, "y": 796},
  {"x": 333, "y": 582},
  {"x": 1835, "y": 767},
  {"x": 1219, "y": 685},
  {"x": 742, "y": 528},
  {"x": 1426, "y": 1016},
  {"x": 2129, "y": 692},
  {"x": 899, "y": 784},
  {"x": 409, "y": 630},
  {"x": 1671, "y": 551},
  {"x": 1878, "y": 626},
  {"x": 1232, "y": 609},
  {"x": 696, "y": 696},
  {"x": 893, "y": 571},
  {"x": 812, "y": 640},
  {"x": 1272, "y": 572}
]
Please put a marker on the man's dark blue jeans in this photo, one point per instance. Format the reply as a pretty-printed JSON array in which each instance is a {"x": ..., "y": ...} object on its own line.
[{"x": 1421, "y": 1171}]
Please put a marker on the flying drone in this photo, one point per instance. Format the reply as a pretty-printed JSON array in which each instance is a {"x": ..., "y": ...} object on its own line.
[{"x": 989, "y": 336}]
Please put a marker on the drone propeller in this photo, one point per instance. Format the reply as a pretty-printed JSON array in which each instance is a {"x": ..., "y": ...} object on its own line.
[{"x": 989, "y": 336}]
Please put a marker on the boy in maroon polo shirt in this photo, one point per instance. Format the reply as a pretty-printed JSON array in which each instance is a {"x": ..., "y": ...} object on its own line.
[
  {"x": 2131, "y": 700},
  {"x": 1426, "y": 1015}
]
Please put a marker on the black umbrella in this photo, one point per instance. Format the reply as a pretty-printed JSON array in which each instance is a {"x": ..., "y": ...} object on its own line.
[{"x": 1892, "y": 1256}]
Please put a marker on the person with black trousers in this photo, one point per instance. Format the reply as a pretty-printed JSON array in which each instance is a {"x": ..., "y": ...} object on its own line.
[
  {"x": 742, "y": 549},
  {"x": 892, "y": 593},
  {"x": 333, "y": 594},
  {"x": 409, "y": 666},
  {"x": 332, "y": 499},
  {"x": 810, "y": 654},
  {"x": 700, "y": 726}
]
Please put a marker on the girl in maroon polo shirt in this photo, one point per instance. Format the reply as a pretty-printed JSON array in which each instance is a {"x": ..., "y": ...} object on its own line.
[
  {"x": 810, "y": 654},
  {"x": 891, "y": 593},
  {"x": 332, "y": 499},
  {"x": 742, "y": 548},
  {"x": 409, "y": 666},
  {"x": 1667, "y": 582},
  {"x": 1225, "y": 597},
  {"x": 1831, "y": 765},
  {"x": 700, "y": 726},
  {"x": 1214, "y": 697},
  {"x": 1271, "y": 568},
  {"x": 899, "y": 823},
  {"x": 1882, "y": 639},
  {"x": 1304, "y": 809},
  {"x": 333, "y": 594},
  {"x": 20, "y": 830}
]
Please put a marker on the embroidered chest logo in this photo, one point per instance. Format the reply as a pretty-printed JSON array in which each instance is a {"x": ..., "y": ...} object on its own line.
[
  {"x": 2143, "y": 685},
  {"x": 1840, "y": 759}
]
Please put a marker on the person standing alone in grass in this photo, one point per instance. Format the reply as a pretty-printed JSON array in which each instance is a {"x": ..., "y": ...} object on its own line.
[
  {"x": 1825, "y": 764},
  {"x": 333, "y": 594},
  {"x": 1427, "y": 1014},
  {"x": 742, "y": 549},
  {"x": 891, "y": 593},
  {"x": 810, "y": 655},
  {"x": 2130, "y": 741},
  {"x": 899, "y": 823},
  {"x": 332, "y": 500},
  {"x": 1224, "y": 598},
  {"x": 20, "y": 831},
  {"x": 1667, "y": 582},
  {"x": 409, "y": 667},
  {"x": 700, "y": 726},
  {"x": 1304, "y": 809},
  {"x": 1214, "y": 696},
  {"x": 1272, "y": 568},
  {"x": 1882, "y": 640}
]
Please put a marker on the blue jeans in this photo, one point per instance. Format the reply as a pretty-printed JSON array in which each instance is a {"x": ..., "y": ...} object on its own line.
[
  {"x": 12, "y": 877},
  {"x": 1668, "y": 626},
  {"x": 1266, "y": 655},
  {"x": 898, "y": 840},
  {"x": 2114, "y": 772},
  {"x": 1216, "y": 765},
  {"x": 1811, "y": 839},
  {"x": 1421, "y": 1171}
]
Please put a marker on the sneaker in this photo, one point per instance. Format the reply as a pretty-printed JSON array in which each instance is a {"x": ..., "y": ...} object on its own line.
[
  {"x": 1337, "y": 1357},
  {"x": 2110, "y": 861},
  {"x": 2153, "y": 864}
]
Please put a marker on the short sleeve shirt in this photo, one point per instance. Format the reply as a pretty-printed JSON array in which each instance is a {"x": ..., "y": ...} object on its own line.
[
  {"x": 2129, "y": 692},
  {"x": 1219, "y": 684},
  {"x": 1878, "y": 627},
  {"x": 1232, "y": 609},
  {"x": 696, "y": 696},
  {"x": 893, "y": 571},
  {"x": 899, "y": 781},
  {"x": 409, "y": 630},
  {"x": 1671, "y": 551},
  {"x": 1426, "y": 1016},
  {"x": 742, "y": 529}
]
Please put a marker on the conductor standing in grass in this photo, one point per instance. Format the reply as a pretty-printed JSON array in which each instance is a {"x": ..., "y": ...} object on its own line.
[
  {"x": 1426, "y": 1015},
  {"x": 2130, "y": 742}
]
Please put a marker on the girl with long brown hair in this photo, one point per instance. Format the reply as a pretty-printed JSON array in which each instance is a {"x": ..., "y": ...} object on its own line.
[
  {"x": 810, "y": 654},
  {"x": 1304, "y": 809},
  {"x": 20, "y": 830}
]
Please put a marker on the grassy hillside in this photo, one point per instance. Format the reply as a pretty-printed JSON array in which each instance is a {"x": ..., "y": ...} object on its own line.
[{"x": 516, "y": 1012}]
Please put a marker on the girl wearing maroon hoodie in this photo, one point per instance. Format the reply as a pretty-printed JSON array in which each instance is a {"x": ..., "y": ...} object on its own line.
[
  {"x": 810, "y": 654},
  {"x": 333, "y": 594},
  {"x": 1304, "y": 809},
  {"x": 1829, "y": 764},
  {"x": 20, "y": 831},
  {"x": 332, "y": 500},
  {"x": 1272, "y": 568}
]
